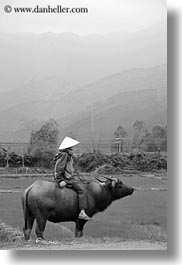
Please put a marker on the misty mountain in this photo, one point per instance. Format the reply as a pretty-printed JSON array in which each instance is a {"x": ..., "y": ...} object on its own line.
[
  {"x": 119, "y": 98},
  {"x": 40, "y": 63}
]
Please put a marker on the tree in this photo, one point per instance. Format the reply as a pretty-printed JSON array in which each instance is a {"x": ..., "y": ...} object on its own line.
[
  {"x": 149, "y": 143},
  {"x": 159, "y": 132},
  {"x": 139, "y": 133},
  {"x": 120, "y": 132},
  {"x": 156, "y": 140},
  {"x": 160, "y": 137},
  {"x": 138, "y": 126},
  {"x": 43, "y": 142}
]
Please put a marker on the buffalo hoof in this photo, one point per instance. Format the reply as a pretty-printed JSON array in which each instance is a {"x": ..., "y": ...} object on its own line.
[{"x": 40, "y": 240}]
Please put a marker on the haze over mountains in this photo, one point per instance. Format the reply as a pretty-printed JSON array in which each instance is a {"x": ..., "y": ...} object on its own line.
[
  {"x": 71, "y": 78},
  {"x": 137, "y": 94}
]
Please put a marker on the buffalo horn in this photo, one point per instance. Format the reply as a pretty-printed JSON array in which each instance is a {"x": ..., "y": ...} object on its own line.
[
  {"x": 100, "y": 180},
  {"x": 110, "y": 178}
]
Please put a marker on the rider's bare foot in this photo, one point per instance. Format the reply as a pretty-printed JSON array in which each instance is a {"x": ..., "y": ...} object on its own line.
[{"x": 84, "y": 217}]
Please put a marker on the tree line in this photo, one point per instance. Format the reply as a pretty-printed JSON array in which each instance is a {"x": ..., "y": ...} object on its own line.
[
  {"x": 44, "y": 141},
  {"x": 143, "y": 139}
]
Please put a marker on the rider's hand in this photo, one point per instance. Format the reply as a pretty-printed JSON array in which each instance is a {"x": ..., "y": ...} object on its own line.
[{"x": 62, "y": 184}]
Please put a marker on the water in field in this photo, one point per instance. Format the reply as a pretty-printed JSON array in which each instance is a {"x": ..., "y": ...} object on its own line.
[{"x": 141, "y": 215}]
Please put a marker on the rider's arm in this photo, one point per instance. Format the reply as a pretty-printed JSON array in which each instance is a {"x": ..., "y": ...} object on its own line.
[{"x": 60, "y": 166}]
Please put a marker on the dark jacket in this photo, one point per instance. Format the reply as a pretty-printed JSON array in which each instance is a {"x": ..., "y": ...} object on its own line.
[{"x": 64, "y": 166}]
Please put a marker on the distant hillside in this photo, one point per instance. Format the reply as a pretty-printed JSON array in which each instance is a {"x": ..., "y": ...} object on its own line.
[
  {"x": 123, "y": 109},
  {"x": 119, "y": 98},
  {"x": 60, "y": 62},
  {"x": 130, "y": 80}
]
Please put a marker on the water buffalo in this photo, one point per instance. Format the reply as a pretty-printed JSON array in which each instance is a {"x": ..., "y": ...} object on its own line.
[{"x": 46, "y": 201}]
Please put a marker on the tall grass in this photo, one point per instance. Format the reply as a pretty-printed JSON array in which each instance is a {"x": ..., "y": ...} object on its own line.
[{"x": 9, "y": 235}]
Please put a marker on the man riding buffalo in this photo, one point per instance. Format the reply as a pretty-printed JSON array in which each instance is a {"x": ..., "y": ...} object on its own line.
[
  {"x": 64, "y": 174},
  {"x": 44, "y": 200}
]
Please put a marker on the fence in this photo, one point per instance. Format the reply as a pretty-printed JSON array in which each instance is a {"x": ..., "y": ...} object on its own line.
[{"x": 107, "y": 146}]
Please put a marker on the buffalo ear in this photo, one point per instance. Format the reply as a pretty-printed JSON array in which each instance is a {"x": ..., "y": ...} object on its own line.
[{"x": 113, "y": 183}]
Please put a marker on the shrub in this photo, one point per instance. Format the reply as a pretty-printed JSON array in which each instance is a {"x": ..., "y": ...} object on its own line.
[{"x": 118, "y": 162}]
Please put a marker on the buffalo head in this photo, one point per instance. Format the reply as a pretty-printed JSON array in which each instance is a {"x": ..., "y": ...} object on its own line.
[{"x": 117, "y": 188}]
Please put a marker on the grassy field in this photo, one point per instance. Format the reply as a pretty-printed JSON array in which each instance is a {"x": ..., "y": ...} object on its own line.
[{"x": 141, "y": 216}]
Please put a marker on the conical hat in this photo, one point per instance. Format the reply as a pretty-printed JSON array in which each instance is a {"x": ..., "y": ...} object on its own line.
[{"x": 67, "y": 143}]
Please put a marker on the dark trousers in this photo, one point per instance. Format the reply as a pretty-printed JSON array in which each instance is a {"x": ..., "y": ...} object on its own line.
[{"x": 82, "y": 195}]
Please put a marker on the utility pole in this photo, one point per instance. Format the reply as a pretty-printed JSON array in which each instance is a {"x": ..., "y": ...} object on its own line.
[
  {"x": 22, "y": 155},
  {"x": 92, "y": 127}
]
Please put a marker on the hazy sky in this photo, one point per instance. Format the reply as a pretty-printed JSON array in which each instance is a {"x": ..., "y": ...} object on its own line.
[{"x": 104, "y": 16}]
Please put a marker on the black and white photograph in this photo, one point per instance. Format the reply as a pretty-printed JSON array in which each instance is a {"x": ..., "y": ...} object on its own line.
[{"x": 83, "y": 125}]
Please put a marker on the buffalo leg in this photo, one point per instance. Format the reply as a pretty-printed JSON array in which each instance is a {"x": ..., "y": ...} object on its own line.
[
  {"x": 28, "y": 225},
  {"x": 79, "y": 227},
  {"x": 40, "y": 227}
]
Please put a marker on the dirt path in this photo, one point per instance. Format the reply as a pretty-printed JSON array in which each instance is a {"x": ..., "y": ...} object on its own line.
[{"x": 125, "y": 245}]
